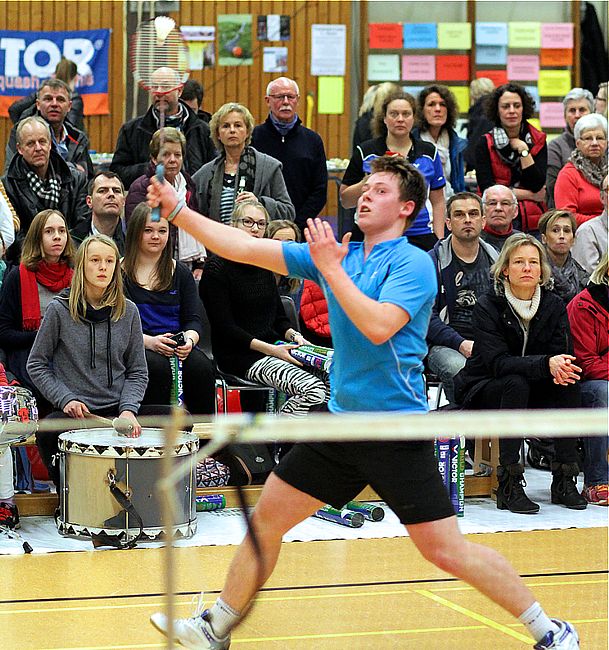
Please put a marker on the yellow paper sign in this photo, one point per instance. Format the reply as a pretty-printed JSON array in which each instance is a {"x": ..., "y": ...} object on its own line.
[
  {"x": 554, "y": 83},
  {"x": 526, "y": 35},
  {"x": 454, "y": 36},
  {"x": 330, "y": 95},
  {"x": 461, "y": 94}
]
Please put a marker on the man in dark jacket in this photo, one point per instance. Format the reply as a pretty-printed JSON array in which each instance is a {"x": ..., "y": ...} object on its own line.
[
  {"x": 53, "y": 104},
  {"x": 38, "y": 178},
  {"x": 463, "y": 264},
  {"x": 132, "y": 152},
  {"x": 106, "y": 198},
  {"x": 300, "y": 150}
]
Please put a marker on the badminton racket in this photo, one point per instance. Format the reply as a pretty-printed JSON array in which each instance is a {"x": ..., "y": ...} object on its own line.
[{"x": 159, "y": 62}]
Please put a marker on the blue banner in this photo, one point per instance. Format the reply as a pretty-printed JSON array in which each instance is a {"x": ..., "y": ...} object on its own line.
[{"x": 27, "y": 58}]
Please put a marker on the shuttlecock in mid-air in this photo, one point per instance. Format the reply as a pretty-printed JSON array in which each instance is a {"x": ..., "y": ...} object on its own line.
[{"x": 162, "y": 26}]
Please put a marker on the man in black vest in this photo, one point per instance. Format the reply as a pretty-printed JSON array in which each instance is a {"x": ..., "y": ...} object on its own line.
[{"x": 300, "y": 150}]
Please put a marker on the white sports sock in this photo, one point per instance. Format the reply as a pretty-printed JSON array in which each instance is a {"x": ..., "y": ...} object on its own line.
[
  {"x": 223, "y": 618},
  {"x": 537, "y": 622}
]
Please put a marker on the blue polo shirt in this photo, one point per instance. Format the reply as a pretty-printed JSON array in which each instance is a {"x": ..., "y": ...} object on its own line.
[{"x": 365, "y": 376}]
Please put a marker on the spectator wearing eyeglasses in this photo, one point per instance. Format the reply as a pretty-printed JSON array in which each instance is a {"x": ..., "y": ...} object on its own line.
[
  {"x": 577, "y": 103},
  {"x": 240, "y": 173},
  {"x": 300, "y": 150},
  {"x": 463, "y": 264},
  {"x": 600, "y": 101},
  {"x": 578, "y": 184},
  {"x": 247, "y": 317},
  {"x": 500, "y": 209}
]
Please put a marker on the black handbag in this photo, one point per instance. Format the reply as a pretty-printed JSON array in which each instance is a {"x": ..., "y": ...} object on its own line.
[{"x": 249, "y": 464}]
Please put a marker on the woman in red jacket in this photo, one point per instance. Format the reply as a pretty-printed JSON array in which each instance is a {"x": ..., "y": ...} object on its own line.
[
  {"x": 589, "y": 319},
  {"x": 579, "y": 182}
]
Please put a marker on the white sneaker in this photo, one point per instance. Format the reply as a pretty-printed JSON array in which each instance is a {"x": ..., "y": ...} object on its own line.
[
  {"x": 194, "y": 633},
  {"x": 565, "y": 639}
]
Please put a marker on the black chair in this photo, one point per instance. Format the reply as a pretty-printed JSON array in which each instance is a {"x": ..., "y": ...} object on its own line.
[
  {"x": 290, "y": 312},
  {"x": 225, "y": 381}
]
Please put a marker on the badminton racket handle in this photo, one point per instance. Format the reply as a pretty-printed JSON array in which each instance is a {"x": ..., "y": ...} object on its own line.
[{"x": 160, "y": 174}]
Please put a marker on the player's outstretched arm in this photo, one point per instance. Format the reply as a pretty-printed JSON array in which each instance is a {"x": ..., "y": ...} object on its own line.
[
  {"x": 230, "y": 243},
  {"x": 377, "y": 321}
]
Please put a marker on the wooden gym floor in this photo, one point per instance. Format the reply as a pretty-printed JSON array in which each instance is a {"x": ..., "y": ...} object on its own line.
[{"x": 324, "y": 595}]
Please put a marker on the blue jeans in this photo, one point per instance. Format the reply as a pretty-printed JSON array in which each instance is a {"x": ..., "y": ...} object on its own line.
[
  {"x": 445, "y": 363},
  {"x": 596, "y": 469}
]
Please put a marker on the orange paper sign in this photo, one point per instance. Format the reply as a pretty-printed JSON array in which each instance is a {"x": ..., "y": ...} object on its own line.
[
  {"x": 385, "y": 36},
  {"x": 498, "y": 77},
  {"x": 452, "y": 67},
  {"x": 556, "y": 57}
]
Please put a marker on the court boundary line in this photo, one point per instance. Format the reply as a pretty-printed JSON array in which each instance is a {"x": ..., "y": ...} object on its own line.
[{"x": 346, "y": 585}]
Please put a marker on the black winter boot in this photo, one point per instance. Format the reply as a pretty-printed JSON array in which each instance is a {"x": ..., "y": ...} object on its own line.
[
  {"x": 510, "y": 491},
  {"x": 564, "y": 486}
]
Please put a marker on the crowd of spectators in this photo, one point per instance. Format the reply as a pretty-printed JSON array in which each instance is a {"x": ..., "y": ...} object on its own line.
[{"x": 509, "y": 269}]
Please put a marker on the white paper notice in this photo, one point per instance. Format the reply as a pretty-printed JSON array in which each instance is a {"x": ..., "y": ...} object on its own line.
[
  {"x": 272, "y": 27},
  {"x": 328, "y": 50},
  {"x": 275, "y": 59}
]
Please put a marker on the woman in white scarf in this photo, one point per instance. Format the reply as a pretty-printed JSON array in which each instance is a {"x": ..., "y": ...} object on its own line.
[
  {"x": 523, "y": 358},
  {"x": 185, "y": 247}
]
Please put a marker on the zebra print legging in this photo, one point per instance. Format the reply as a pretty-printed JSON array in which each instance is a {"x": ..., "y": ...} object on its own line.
[{"x": 305, "y": 387}]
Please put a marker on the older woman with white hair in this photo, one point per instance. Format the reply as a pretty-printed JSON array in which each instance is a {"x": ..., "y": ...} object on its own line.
[
  {"x": 240, "y": 172},
  {"x": 578, "y": 184},
  {"x": 522, "y": 359},
  {"x": 577, "y": 103}
]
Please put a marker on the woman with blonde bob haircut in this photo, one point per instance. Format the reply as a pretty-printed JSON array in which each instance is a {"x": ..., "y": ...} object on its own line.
[
  {"x": 240, "y": 172},
  {"x": 88, "y": 357},
  {"x": 523, "y": 358}
]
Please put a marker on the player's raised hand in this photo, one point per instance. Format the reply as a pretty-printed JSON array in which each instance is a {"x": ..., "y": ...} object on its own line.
[
  {"x": 326, "y": 252},
  {"x": 162, "y": 195}
]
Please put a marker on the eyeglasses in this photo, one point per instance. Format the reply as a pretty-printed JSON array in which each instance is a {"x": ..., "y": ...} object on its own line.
[
  {"x": 504, "y": 204},
  {"x": 593, "y": 138},
  {"x": 461, "y": 214},
  {"x": 250, "y": 223},
  {"x": 280, "y": 98}
]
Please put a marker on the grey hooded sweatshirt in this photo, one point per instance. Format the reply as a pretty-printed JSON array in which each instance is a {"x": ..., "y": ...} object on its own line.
[{"x": 97, "y": 361}]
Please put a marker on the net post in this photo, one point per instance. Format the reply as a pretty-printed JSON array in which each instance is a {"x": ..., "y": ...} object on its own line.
[{"x": 167, "y": 500}]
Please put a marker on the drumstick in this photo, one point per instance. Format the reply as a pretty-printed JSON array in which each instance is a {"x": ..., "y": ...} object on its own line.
[{"x": 122, "y": 426}]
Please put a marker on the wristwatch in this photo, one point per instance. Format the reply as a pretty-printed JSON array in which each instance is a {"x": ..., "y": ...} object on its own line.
[{"x": 524, "y": 153}]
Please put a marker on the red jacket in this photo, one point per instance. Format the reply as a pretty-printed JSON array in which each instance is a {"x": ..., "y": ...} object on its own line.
[
  {"x": 530, "y": 211},
  {"x": 574, "y": 193},
  {"x": 314, "y": 309},
  {"x": 589, "y": 322}
]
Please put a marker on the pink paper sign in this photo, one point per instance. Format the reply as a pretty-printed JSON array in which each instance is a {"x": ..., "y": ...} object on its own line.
[
  {"x": 418, "y": 68},
  {"x": 552, "y": 114},
  {"x": 557, "y": 35},
  {"x": 523, "y": 67}
]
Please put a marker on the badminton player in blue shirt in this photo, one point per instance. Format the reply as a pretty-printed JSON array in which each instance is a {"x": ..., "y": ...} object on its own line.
[{"x": 380, "y": 292}]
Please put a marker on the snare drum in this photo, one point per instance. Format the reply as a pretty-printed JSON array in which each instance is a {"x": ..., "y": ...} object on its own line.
[{"x": 87, "y": 461}]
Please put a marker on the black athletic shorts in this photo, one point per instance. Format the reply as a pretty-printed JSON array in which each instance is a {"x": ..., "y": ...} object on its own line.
[{"x": 404, "y": 474}]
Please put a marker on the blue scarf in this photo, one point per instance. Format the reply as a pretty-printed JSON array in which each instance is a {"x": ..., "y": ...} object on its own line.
[{"x": 283, "y": 127}]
